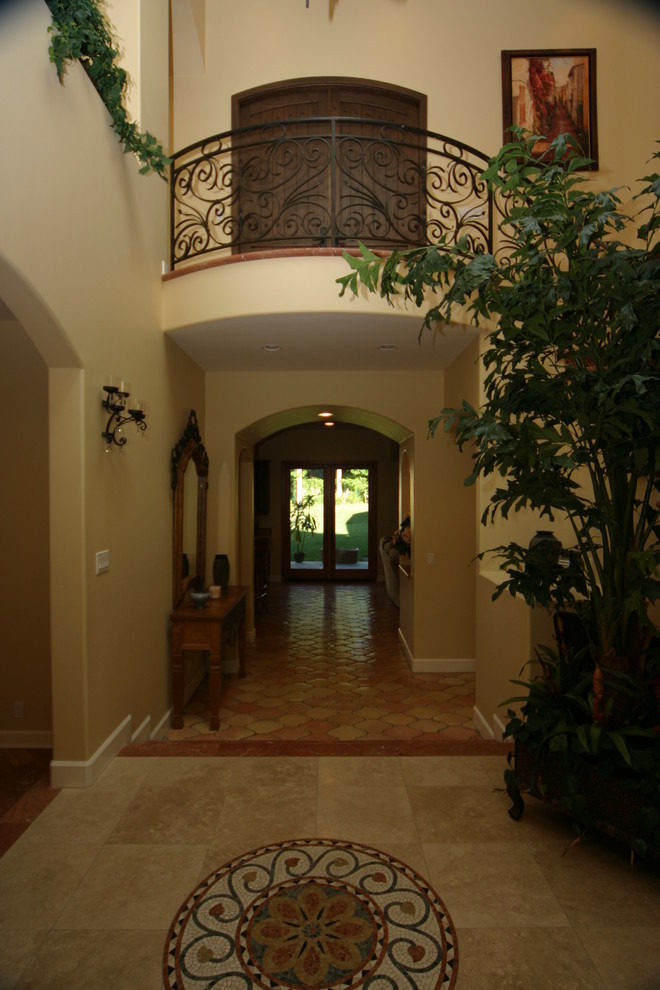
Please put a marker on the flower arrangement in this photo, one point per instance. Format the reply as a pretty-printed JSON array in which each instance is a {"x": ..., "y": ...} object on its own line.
[{"x": 401, "y": 537}]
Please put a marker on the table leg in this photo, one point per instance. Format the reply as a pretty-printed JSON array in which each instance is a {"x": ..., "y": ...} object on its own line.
[
  {"x": 177, "y": 690},
  {"x": 241, "y": 646},
  {"x": 214, "y": 689}
]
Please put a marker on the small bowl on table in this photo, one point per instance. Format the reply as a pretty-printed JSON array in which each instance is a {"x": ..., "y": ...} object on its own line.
[{"x": 199, "y": 598}]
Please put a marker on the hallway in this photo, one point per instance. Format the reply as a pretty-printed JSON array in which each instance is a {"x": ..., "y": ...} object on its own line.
[
  {"x": 90, "y": 886},
  {"x": 327, "y": 671}
]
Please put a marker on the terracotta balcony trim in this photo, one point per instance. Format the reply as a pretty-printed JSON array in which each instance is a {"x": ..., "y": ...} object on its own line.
[{"x": 302, "y": 252}]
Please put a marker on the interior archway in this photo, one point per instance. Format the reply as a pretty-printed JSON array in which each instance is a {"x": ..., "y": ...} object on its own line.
[
  {"x": 274, "y": 439},
  {"x": 355, "y": 415},
  {"x": 35, "y": 344}
]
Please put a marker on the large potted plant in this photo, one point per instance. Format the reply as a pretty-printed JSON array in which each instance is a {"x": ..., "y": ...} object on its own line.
[
  {"x": 302, "y": 522},
  {"x": 570, "y": 424}
]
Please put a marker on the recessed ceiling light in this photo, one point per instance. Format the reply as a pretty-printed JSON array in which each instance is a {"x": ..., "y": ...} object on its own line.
[
  {"x": 387, "y": 347},
  {"x": 328, "y": 422},
  {"x": 325, "y": 414},
  {"x": 271, "y": 348}
]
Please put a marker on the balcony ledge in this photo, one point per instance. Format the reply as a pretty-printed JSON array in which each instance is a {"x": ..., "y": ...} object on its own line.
[
  {"x": 264, "y": 254},
  {"x": 226, "y": 312}
]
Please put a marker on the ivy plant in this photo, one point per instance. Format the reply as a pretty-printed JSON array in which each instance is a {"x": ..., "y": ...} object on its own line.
[{"x": 80, "y": 30}]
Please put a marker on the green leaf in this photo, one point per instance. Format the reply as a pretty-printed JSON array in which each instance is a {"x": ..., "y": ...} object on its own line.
[
  {"x": 569, "y": 423},
  {"x": 79, "y": 30},
  {"x": 582, "y": 736},
  {"x": 620, "y": 744}
]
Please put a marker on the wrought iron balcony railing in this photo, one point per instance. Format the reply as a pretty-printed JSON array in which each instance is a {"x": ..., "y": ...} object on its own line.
[{"x": 326, "y": 182}]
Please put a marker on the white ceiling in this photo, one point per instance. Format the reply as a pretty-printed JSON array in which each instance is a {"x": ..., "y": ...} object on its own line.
[{"x": 322, "y": 342}]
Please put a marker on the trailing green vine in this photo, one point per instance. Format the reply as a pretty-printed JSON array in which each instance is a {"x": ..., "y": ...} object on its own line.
[{"x": 81, "y": 31}]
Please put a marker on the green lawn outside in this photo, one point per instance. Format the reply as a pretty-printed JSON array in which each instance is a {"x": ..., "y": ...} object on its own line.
[{"x": 351, "y": 520}]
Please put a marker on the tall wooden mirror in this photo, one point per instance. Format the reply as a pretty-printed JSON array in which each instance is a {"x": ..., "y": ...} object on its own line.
[{"x": 190, "y": 468}]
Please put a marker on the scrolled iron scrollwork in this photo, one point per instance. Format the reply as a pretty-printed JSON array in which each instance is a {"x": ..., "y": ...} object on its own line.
[{"x": 329, "y": 181}]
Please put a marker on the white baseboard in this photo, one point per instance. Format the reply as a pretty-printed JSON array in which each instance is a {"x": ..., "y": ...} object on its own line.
[
  {"x": 231, "y": 665},
  {"x": 487, "y": 730},
  {"x": 442, "y": 666},
  {"x": 420, "y": 665},
  {"x": 83, "y": 773},
  {"x": 499, "y": 727},
  {"x": 142, "y": 733},
  {"x": 409, "y": 656},
  {"x": 481, "y": 725},
  {"x": 26, "y": 739},
  {"x": 163, "y": 727}
]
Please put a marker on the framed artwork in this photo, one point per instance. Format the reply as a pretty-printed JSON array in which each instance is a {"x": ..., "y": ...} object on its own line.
[{"x": 549, "y": 92}]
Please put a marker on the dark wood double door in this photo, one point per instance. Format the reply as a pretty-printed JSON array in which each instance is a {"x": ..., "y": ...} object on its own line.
[{"x": 335, "y": 169}]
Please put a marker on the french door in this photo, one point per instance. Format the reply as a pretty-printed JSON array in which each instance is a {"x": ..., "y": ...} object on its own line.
[{"x": 328, "y": 523}]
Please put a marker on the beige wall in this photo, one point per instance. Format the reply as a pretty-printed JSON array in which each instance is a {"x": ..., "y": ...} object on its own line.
[
  {"x": 25, "y": 599},
  {"x": 451, "y": 52},
  {"x": 443, "y": 626},
  {"x": 508, "y": 634},
  {"x": 80, "y": 266}
]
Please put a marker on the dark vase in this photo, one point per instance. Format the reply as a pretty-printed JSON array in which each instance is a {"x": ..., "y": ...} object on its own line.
[
  {"x": 544, "y": 536},
  {"x": 547, "y": 547},
  {"x": 221, "y": 570}
]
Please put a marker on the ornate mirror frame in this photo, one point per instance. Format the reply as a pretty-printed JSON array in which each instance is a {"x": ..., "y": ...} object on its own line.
[{"x": 188, "y": 448}]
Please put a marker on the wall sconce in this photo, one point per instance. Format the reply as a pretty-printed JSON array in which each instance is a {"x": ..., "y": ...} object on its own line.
[{"x": 116, "y": 404}]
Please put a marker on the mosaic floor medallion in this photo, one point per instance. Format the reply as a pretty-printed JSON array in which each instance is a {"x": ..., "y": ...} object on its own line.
[{"x": 312, "y": 913}]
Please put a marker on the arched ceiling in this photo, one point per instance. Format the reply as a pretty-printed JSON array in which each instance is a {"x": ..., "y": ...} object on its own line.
[
  {"x": 322, "y": 341},
  {"x": 284, "y": 312},
  {"x": 287, "y": 418}
]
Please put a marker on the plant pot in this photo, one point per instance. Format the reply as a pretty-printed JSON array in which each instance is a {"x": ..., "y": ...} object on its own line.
[
  {"x": 610, "y": 806},
  {"x": 299, "y": 556},
  {"x": 221, "y": 571}
]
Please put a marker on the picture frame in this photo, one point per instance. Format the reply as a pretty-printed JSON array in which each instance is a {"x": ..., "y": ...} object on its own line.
[{"x": 549, "y": 91}]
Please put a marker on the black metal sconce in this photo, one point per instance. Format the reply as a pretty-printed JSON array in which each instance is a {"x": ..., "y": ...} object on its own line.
[{"x": 116, "y": 404}]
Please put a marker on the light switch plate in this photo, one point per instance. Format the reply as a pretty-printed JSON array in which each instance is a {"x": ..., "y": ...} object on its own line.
[{"x": 102, "y": 561}]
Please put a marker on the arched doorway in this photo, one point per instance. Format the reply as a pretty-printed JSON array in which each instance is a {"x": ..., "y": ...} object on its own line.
[
  {"x": 38, "y": 355},
  {"x": 275, "y": 440}
]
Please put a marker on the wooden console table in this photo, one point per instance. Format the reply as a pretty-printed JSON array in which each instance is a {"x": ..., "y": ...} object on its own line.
[{"x": 220, "y": 622}]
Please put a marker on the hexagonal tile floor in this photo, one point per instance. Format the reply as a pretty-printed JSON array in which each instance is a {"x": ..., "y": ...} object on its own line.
[{"x": 327, "y": 666}]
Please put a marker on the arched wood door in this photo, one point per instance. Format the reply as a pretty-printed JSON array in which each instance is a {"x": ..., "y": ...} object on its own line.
[{"x": 309, "y": 183}]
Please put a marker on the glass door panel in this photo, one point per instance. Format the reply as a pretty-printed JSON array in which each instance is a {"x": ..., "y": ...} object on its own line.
[
  {"x": 351, "y": 520},
  {"x": 306, "y": 519},
  {"x": 329, "y": 533}
]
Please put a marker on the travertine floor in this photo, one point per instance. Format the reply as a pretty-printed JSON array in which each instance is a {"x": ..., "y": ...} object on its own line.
[{"x": 87, "y": 893}]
